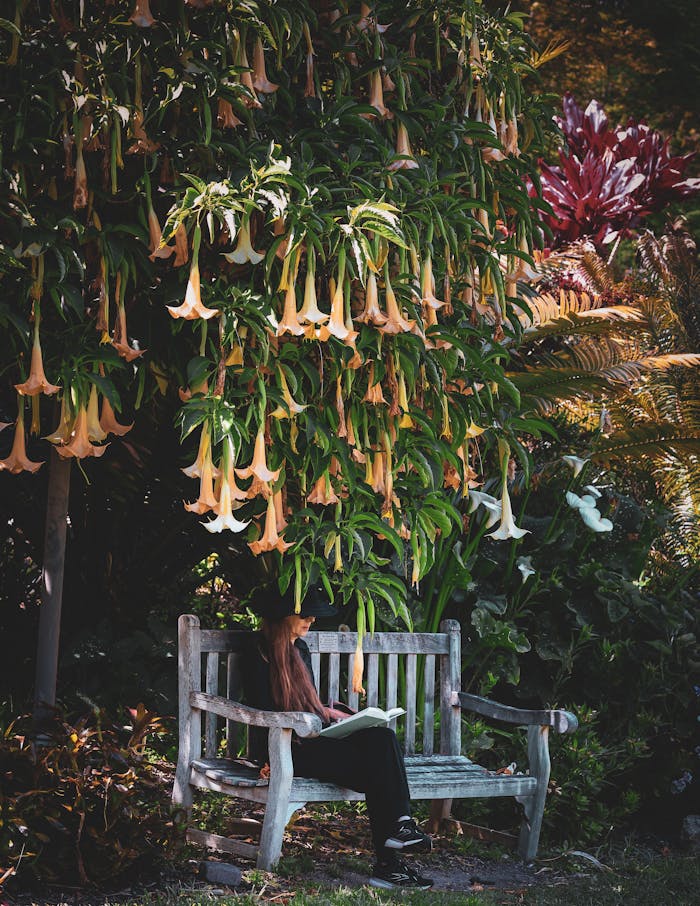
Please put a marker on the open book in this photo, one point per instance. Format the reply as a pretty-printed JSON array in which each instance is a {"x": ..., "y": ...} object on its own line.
[{"x": 370, "y": 717}]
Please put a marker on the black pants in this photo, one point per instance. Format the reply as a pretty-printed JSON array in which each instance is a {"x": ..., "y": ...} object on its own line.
[{"x": 369, "y": 761}]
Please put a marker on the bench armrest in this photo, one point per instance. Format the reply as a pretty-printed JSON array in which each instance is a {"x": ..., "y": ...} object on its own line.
[
  {"x": 303, "y": 723},
  {"x": 561, "y": 721}
]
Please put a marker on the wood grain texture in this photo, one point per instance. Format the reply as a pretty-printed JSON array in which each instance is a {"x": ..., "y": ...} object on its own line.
[
  {"x": 561, "y": 721},
  {"x": 276, "y": 813},
  {"x": 189, "y": 670},
  {"x": 301, "y": 722},
  {"x": 212, "y": 688},
  {"x": 221, "y": 844}
]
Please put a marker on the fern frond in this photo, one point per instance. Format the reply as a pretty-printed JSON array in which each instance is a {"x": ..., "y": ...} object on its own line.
[
  {"x": 595, "y": 272},
  {"x": 653, "y": 440},
  {"x": 586, "y": 323}
]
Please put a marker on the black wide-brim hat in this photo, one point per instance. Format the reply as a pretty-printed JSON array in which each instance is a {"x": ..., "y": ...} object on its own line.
[{"x": 271, "y": 604}]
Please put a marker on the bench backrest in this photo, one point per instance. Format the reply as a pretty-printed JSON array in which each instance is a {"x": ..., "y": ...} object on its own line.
[{"x": 416, "y": 671}]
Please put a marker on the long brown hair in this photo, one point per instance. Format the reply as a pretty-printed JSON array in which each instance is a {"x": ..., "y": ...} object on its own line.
[{"x": 291, "y": 685}]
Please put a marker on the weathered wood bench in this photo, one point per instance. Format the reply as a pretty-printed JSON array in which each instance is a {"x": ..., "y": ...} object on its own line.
[{"x": 208, "y": 661}]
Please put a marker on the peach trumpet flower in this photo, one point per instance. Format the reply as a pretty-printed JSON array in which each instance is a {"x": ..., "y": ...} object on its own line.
[
  {"x": 507, "y": 529},
  {"x": 289, "y": 322},
  {"x": 310, "y": 88},
  {"x": 374, "y": 394},
  {"x": 376, "y": 97},
  {"x": 372, "y": 313},
  {"x": 36, "y": 382},
  {"x": 18, "y": 461},
  {"x": 270, "y": 539},
  {"x": 207, "y": 499},
  {"x": 404, "y": 152},
  {"x": 523, "y": 270},
  {"x": 108, "y": 420},
  {"x": 246, "y": 77},
  {"x": 65, "y": 424},
  {"x": 120, "y": 337},
  {"x": 261, "y": 83},
  {"x": 95, "y": 431},
  {"x": 428, "y": 297},
  {"x": 322, "y": 491},
  {"x": 192, "y": 307},
  {"x": 244, "y": 251},
  {"x": 395, "y": 322},
  {"x": 80, "y": 186},
  {"x": 155, "y": 234},
  {"x": 291, "y": 407},
  {"x": 258, "y": 466},
  {"x": 310, "y": 312},
  {"x": 224, "y": 514},
  {"x": 336, "y": 326},
  {"x": 405, "y": 421},
  {"x": 182, "y": 248},
  {"x": 225, "y": 117},
  {"x": 79, "y": 444},
  {"x": 142, "y": 16},
  {"x": 195, "y": 470}
]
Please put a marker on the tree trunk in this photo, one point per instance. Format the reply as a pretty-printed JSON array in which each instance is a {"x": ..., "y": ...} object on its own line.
[{"x": 51, "y": 589}]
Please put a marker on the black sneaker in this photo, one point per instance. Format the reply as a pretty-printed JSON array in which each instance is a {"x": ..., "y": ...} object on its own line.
[
  {"x": 395, "y": 874},
  {"x": 408, "y": 836}
]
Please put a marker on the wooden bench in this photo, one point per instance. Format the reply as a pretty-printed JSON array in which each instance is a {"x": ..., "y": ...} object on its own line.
[{"x": 208, "y": 661}]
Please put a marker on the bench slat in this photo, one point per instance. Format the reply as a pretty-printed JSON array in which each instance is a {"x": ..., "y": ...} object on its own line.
[
  {"x": 234, "y": 688},
  {"x": 333, "y": 676},
  {"x": 392, "y": 676},
  {"x": 429, "y": 707},
  {"x": 410, "y": 718},
  {"x": 373, "y": 681},
  {"x": 212, "y": 687},
  {"x": 316, "y": 667}
]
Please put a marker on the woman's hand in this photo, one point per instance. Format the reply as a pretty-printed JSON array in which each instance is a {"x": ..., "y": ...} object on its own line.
[{"x": 334, "y": 714}]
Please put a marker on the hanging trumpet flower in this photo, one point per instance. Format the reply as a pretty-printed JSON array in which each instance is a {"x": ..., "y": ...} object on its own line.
[
  {"x": 182, "y": 248},
  {"x": 261, "y": 83},
  {"x": 291, "y": 407},
  {"x": 108, "y": 420},
  {"x": 258, "y": 466},
  {"x": 336, "y": 324},
  {"x": 37, "y": 381},
  {"x": 225, "y": 117},
  {"x": 79, "y": 444},
  {"x": 376, "y": 96},
  {"x": 192, "y": 307},
  {"x": 372, "y": 313},
  {"x": 322, "y": 491},
  {"x": 207, "y": 499},
  {"x": 507, "y": 528},
  {"x": 395, "y": 322},
  {"x": 244, "y": 252},
  {"x": 404, "y": 152},
  {"x": 310, "y": 88},
  {"x": 142, "y": 16},
  {"x": 270, "y": 539},
  {"x": 96, "y": 433},
  {"x": 310, "y": 312},
  {"x": 18, "y": 461}
]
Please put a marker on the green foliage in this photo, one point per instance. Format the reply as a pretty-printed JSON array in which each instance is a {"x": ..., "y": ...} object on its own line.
[{"x": 80, "y": 803}]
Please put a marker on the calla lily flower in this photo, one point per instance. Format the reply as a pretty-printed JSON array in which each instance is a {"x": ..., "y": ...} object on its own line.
[
  {"x": 322, "y": 491},
  {"x": 157, "y": 249},
  {"x": 18, "y": 461},
  {"x": 580, "y": 503},
  {"x": 576, "y": 463},
  {"x": 79, "y": 445},
  {"x": 292, "y": 408},
  {"x": 592, "y": 518},
  {"x": 524, "y": 564},
  {"x": 182, "y": 248},
  {"x": 493, "y": 506},
  {"x": 593, "y": 490},
  {"x": 244, "y": 251},
  {"x": 142, "y": 16},
  {"x": 225, "y": 518},
  {"x": 507, "y": 528},
  {"x": 192, "y": 307},
  {"x": 374, "y": 394},
  {"x": 258, "y": 466},
  {"x": 261, "y": 82},
  {"x": 404, "y": 152},
  {"x": 36, "y": 382},
  {"x": 372, "y": 313},
  {"x": 96, "y": 432},
  {"x": 108, "y": 420},
  {"x": 225, "y": 117}
]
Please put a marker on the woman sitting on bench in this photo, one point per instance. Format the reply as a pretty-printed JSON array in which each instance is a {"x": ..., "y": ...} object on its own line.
[{"x": 277, "y": 676}]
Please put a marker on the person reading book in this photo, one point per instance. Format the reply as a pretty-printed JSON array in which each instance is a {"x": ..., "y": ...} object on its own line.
[{"x": 277, "y": 676}]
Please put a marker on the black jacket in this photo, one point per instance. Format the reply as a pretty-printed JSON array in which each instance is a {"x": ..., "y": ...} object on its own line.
[{"x": 257, "y": 688}]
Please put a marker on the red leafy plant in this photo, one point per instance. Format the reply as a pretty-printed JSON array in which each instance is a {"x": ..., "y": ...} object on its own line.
[
  {"x": 609, "y": 179},
  {"x": 83, "y": 807}
]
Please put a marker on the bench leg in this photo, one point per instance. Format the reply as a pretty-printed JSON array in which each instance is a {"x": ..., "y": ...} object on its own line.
[
  {"x": 538, "y": 757},
  {"x": 439, "y": 810},
  {"x": 276, "y": 811},
  {"x": 182, "y": 789}
]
